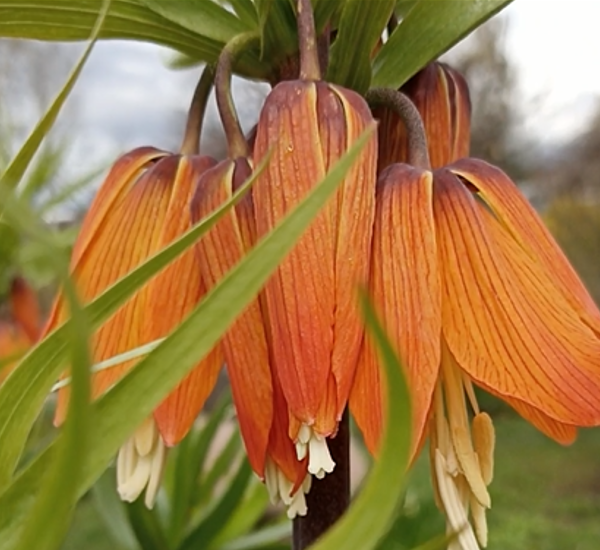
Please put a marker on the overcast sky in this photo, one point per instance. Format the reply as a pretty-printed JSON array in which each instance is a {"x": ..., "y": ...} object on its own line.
[{"x": 127, "y": 97}]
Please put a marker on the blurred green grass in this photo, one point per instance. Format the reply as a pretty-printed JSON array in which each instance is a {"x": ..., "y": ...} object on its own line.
[{"x": 544, "y": 497}]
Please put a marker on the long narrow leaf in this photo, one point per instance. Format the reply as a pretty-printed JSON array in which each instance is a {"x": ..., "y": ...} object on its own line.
[
  {"x": 371, "y": 514},
  {"x": 67, "y": 20},
  {"x": 135, "y": 396},
  {"x": 429, "y": 29},
  {"x": 360, "y": 28},
  {"x": 17, "y": 167}
]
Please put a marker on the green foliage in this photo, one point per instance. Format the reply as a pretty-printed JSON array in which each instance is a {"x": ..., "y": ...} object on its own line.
[
  {"x": 429, "y": 29},
  {"x": 576, "y": 226}
]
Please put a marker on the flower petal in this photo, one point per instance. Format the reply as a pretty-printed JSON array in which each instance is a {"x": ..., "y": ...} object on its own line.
[
  {"x": 301, "y": 294},
  {"x": 245, "y": 343},
  {"x": 127, "y": 235},
  {"x": 406, "y": 291},
  {"x": 504, "y": 321},
  {"x": 356, "y": 213},
  {"x": 169, "y": 298},
  {"x": 525, "y": 226}
]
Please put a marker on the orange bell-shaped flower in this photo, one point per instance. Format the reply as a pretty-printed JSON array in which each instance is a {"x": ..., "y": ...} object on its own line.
[
  {"x": 22, "y": 327},
  {"x": 142, "y": 206},
  {"x": 473, "y": 290}
]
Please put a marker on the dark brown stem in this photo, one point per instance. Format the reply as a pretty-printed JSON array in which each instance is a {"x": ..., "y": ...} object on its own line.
[
  {"x": 418, "y": 153},
  {"x": 329, "y": 497},
  {"x": 236, "y": 141},
  {"x": 323, "y": 44},
  {"x": 307, "y": 38},
  {"x": 191, "y": 138}
]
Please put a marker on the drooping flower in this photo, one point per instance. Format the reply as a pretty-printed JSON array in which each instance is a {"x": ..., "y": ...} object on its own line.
[
  {"x": 291, "y": 355},
  {"x": 313, "y": 322},
  {"x": 141, "y": 207},
  {"x": 22, "y": 327},
  {"x": 441, "y": 95},
  {"x": 473, "y": 290}
]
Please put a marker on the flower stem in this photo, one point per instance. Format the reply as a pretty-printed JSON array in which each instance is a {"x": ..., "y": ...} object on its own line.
[
  {"x": 307, "y": 38},
  {"x": 418, "y": 152},
  {"x": 191, "y": 138},
  {"x": 329, "y": 497},
  {"x": 238, "y": 147}
]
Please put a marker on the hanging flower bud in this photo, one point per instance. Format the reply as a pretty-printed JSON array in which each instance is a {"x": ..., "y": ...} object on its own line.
[
  {"x": 441, "y": 96},
  {"x": 21, "y": 330}
]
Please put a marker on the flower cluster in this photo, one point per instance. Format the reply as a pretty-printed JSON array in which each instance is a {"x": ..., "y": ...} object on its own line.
[{"x": 470, "y": 286}]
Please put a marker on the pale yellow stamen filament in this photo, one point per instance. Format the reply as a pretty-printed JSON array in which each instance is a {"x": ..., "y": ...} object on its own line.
[
  {"x": 280, "y": 489},
  {"x": 140, "y": 464},
  {"x": 308, "y": 442},
  {"x": 461, "y": 456}
]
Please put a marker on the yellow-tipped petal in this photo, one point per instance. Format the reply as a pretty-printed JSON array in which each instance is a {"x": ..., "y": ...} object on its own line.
[
  {"x": 520, "y": 219},
  {"x": 245, "y": 344},
  {"x": 525, "y": 341},
  {"x": 405, "y": 285}
]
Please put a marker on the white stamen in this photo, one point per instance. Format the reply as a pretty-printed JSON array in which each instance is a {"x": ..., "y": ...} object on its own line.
[
  {"x": 140, "y": 464},
  {"x": 319, "y": 459},
  {"x": 280, "y": 488}
]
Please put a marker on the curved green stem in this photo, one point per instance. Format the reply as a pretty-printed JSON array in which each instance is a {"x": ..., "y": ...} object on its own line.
[
  {"x": 307, "y": 38},
  {"x": 238, "y": 147},
  {"x": 191, "y": 138},
  {"x": 418, "y": 152}
]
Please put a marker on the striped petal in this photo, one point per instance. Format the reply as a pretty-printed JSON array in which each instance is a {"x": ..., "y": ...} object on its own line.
[
  {"x": 356, "y": 212},
  {"x": 127, "y": 235},
  {"x": 245, "y": 344},
  {"x": 301, "y": 294},
  {"x": 525, "y": 226},
  {"x": 405, "y": 286},
  {"x": 504, "y": 321},
  {"x": 169, "y": 297}
]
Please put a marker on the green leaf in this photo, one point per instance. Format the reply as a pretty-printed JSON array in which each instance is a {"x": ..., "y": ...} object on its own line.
[
  {"x": 259, "y": 540},
  {"x": 246, "y": 11},
  {"x": 146, "y": 526},
  {"x": 112, "y": 511},
  {"x": 24, "y": 391},
  {"x": 250, "y": 510},
  {"x": 429, "y": 29},
  {"x": 14, "y": 172},
  {"x": 67, "y": 20},
  {"x": 359, "y": 30},
  {"x": 122, "y": 409},
  {"x": 327, "y": 11},
  {"x": 184, "y": 470},
  {"x": 209, "y": 528},
  {"x": 54, "y": 506},
  {"x": 203, "y": 17},
  {"x": 372, "y": 512},
  {"x": 278, "y": 28}
]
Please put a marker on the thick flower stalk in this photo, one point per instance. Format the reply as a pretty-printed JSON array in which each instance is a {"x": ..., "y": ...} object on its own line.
[
  {"x": 142, "y": 206},
  {"x": 474, "y": 290},
  {"x": 20, "y": 330}
]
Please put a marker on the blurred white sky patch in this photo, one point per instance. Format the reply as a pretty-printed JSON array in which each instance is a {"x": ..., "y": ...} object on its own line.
[{"x": 556, "y": 46}]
